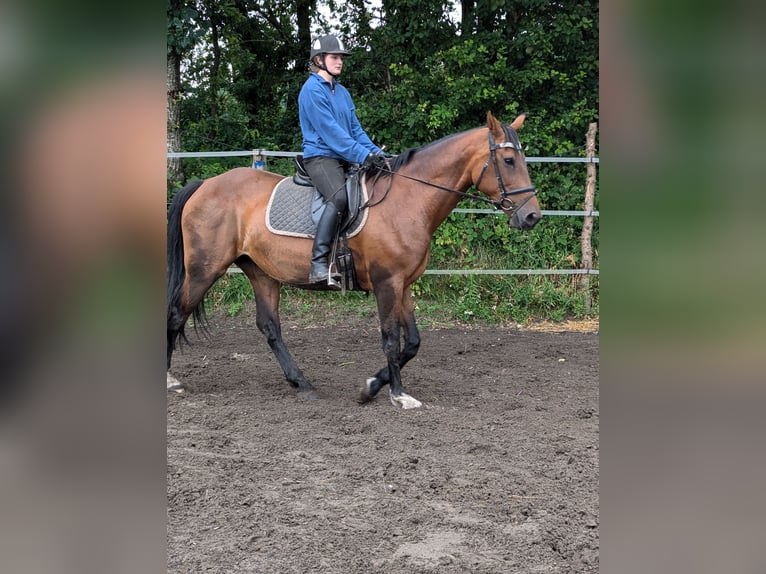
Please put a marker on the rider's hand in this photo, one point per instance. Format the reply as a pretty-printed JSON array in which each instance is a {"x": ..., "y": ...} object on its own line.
[{"x": 375, "y": 160}]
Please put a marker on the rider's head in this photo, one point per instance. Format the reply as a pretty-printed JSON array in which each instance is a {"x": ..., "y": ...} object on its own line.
[{"x": 324, "y": 46}]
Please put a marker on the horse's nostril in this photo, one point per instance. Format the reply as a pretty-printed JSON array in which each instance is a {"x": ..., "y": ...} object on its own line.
[{"x": 532, "y": 218}]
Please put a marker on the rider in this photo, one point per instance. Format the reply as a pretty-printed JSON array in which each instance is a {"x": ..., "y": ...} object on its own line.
[{"x": 332, "y": 139}]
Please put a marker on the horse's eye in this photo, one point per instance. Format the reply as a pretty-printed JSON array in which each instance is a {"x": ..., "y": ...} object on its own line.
[{"x": 509, "y": 161}]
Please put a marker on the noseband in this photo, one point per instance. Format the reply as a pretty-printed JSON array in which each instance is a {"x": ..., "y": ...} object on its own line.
[{"x": 506, "y": 203}]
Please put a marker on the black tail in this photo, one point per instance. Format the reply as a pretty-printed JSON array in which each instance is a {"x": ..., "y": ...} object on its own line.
[{"x": 176, "y": 269}]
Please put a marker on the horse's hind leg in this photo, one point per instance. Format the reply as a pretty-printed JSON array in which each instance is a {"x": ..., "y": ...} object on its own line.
[
  {"x": 266, "y": 290},
  {"x": 190, "y": 297},
  {"x": 176, "y": 321},
  {"x": 392, "y": 321}
]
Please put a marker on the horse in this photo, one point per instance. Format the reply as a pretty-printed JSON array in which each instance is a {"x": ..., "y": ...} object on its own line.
[{"x": 220, "y": 221}]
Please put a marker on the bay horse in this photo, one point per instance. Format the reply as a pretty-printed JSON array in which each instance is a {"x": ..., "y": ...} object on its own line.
[{"x": 220, "y": 221}]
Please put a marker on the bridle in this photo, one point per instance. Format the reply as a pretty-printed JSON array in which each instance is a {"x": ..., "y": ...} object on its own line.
[{"x": 505, "y": 203}]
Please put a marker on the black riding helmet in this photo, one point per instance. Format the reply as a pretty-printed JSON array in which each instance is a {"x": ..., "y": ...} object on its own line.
[{"x": 328, "y": 44}]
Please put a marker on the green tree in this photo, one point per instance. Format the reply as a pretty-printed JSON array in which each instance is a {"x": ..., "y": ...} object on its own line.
[{"x": 182, "y": 35}]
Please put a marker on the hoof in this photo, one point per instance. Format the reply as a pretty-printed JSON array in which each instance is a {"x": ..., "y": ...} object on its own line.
[
  {"x": 405, "y": 401},
  {"x": 174, "y": 385},
  {"x": 365, "y": 393},
  {"x": 309, "y": 395}
]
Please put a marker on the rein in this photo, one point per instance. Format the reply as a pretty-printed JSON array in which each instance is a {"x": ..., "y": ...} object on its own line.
[{"x": 504, "y": 204}]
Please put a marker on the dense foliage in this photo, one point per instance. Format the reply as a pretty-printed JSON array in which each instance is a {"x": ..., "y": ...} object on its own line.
[{"x": 419, "y": 70}]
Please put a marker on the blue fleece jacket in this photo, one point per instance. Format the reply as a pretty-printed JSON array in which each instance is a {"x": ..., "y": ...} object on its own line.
[{"x": 329, "y": 123}]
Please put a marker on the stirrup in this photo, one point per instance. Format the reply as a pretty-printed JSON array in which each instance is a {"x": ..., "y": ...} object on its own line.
[
  {"x": 331, "y": 275},
  {"x": 331, "y": 281}
]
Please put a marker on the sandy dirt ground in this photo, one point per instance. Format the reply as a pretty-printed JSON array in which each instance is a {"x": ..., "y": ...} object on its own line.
[{"x": 497, "y": 473}]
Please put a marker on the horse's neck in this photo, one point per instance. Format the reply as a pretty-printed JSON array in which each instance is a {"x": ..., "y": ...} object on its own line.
[
  {"x": 449, "y": 163},
  {"x": 446, "y": 168}
]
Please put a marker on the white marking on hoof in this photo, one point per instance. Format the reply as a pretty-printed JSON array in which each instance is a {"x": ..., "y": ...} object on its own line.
[
  {"x": 405, "y": 401},
  {"x": 365, "y": 392},
  {"x": 174, "y": 384},
  {"x": 310, "y": 394}
]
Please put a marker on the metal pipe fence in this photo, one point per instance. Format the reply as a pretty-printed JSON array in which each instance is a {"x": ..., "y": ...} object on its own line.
[{"x": 585, "y": 160}]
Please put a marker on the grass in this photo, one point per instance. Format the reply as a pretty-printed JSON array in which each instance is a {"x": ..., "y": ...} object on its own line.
[{"x": 440, "y": 300}]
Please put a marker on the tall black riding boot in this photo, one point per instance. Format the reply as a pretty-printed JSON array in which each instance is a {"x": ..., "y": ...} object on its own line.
[{"x": 325, "y": 234}]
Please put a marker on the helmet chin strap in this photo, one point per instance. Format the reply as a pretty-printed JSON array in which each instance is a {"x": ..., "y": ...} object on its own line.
[{"x": 323, "y": 66}]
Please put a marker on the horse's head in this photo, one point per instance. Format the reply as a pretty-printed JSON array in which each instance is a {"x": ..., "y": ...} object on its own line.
[{"x": 511, "y": 189}]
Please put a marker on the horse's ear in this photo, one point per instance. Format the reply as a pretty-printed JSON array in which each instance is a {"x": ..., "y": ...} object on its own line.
[
  {"x": 494, "y": 126},
  {"x": 519, "y": 121}
]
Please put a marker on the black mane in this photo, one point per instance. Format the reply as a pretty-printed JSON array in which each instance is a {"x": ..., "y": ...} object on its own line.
[{"x": 406, "y": 156}]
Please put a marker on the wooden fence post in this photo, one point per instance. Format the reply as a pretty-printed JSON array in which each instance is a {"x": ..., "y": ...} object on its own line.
[{"x": 587, "y": 226}]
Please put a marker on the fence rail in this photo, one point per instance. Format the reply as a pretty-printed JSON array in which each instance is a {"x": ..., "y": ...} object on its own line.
[
  {"x": 594, "y": 213},
  {"x": 269, "y": 153}
]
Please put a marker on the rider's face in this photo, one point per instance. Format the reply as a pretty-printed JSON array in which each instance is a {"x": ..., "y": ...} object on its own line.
[{"x": 334, "y": 63}]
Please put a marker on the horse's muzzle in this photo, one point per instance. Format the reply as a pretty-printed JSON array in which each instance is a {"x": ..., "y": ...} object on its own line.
[{"x": 525, "y": 219}]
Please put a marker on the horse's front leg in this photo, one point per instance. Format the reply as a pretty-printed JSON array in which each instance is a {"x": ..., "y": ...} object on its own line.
[
  {"x": 266, "y": 290},
  {"x": 392, "y": 318}
]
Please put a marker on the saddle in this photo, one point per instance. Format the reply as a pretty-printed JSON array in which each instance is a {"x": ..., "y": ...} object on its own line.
[{"x": 295, "y": 207}]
